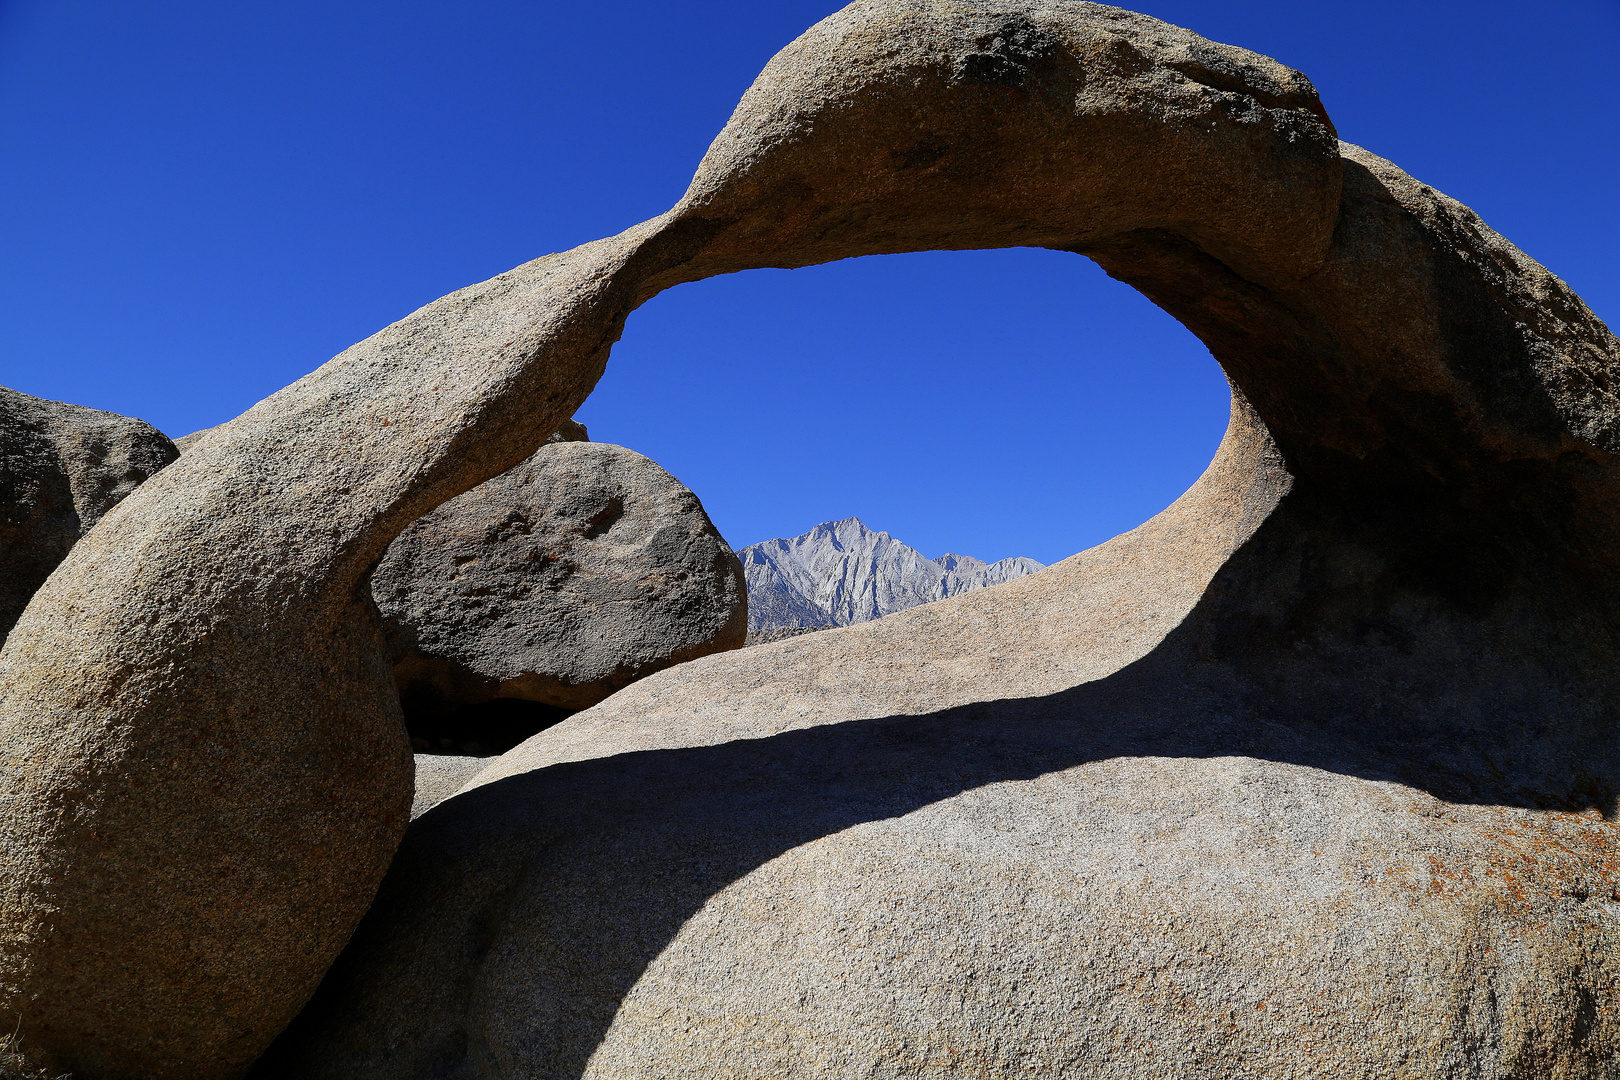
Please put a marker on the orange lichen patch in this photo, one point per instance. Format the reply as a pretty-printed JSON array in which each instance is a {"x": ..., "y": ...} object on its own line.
[{"x": 1528, "y": 860}]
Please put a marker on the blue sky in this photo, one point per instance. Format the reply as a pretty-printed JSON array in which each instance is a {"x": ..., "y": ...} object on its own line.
[{"x": 204, "y": 201}]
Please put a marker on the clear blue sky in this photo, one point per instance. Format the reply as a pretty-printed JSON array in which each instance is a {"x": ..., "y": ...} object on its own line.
[{"x": 204, "y": 201}]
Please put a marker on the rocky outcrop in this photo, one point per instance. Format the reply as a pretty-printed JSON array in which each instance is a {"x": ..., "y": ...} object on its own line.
[
  {"x": 841, "y": 572},
  {"x": 61, "y": 468},
  {"x": 447, "y": 710},
  {"x": 569, "y": 431},
  {"x": 1307, "y": 777},
  {"x": 560, "y": 581}
]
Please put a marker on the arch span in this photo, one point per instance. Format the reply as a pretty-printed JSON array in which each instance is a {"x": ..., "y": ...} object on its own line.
[{"x": 203, "y": 765}]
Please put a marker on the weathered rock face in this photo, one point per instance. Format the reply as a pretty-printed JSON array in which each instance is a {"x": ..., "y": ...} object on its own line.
[
  {"x": 840, "y": 573},
  {"x": 61, "y": 468},
  {"x": 568, "y": 431},
  {"x": 1371, "y": 652},
  {"x": 560, "y": 581}
]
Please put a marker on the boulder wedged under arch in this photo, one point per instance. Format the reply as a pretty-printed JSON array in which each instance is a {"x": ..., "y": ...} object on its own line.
[
  {"x": 1393, "y": 594},
  {"x": 559, "y": 582}
]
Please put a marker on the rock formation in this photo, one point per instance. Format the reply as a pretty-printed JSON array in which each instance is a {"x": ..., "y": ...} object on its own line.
[
  {"x": 560, "y": 581},
  {"x": 1309, "y": 776},
  {"x": 61, "y": 468},
  {"x": 569, "y": 431},
  {"x": 1029, "y": 829},
  {"x": 841, "y": 573}
]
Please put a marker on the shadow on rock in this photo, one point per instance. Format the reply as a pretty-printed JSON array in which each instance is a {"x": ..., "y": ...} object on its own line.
[{"x": 556, "y": 923}]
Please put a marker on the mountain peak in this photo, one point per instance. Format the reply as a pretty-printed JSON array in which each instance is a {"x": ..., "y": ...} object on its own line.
[{"x": 842, "y": 572}]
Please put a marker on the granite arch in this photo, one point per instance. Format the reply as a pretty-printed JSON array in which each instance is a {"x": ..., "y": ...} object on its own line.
[{"x": 1430, "y": 409}]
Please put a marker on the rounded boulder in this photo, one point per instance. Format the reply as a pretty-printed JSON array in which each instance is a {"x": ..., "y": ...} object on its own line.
[{"x": 560, "y": 581}]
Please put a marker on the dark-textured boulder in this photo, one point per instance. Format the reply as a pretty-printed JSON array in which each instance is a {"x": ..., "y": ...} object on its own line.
[
  {"x": 61, "y": 468},
  {"x": 560, "y": 581},
  {"x": 1310, "y": 776}
]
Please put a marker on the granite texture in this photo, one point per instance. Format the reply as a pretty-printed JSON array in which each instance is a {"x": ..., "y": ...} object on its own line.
[
  {"x": 1046, "y": 828},
  {"x": 560, "y": 581},
  {"x": 439, "y": 776},
  {"x": 61, "y": 468},
  {"x": 1311, "y": 776},
  {"x": 186, "y": 442}
]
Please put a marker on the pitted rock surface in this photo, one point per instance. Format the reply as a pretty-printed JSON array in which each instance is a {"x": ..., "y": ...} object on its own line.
[
  {"x": 560, "y": 581},
  {"x": 1371, "y": 653},
  {"x": 186, "y": 442},
  {"x": 61, "y": 468},
  {"x": 568, "y": 431}
]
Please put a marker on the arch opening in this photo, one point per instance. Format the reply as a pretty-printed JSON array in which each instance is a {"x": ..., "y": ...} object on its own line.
[{"x": 998, "y": 403}]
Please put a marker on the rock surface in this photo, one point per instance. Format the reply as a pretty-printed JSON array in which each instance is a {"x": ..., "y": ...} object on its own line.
[
  {"x": 568, "y": 431},
  {"x": 780, "y": 633},
  {"x": 560, "y": 581},
  {"x": 439, "y": 776},
  {"x": 186, "y": 442},
  {"x": 1373, "y": 654},
  {"x": 1035, "y": 829},
  {"x": 841, "y": 573},
  {"x": 61, "y": 468}
]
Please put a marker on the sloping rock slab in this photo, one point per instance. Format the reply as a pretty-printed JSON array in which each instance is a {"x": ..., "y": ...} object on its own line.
[{"x": 439, "y": 776}]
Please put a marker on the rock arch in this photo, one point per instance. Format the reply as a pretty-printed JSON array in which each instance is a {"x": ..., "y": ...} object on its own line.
[{"x": 203, "y": 766}]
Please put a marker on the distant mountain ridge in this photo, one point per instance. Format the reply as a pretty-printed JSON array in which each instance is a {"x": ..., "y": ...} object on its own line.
[{"x": 841, "y": 572}]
